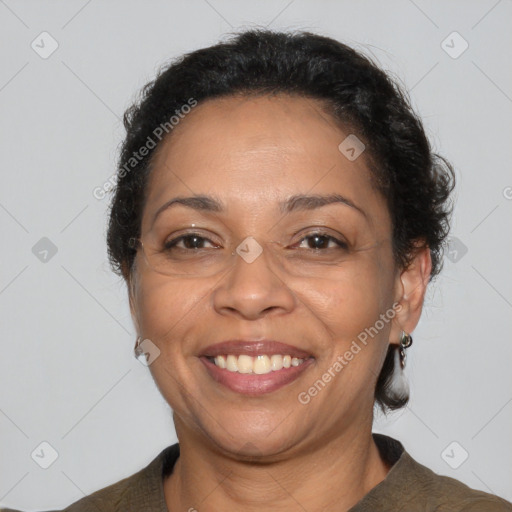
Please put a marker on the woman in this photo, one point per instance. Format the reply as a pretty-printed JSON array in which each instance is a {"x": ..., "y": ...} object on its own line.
[{"x": 277, "y": 218}]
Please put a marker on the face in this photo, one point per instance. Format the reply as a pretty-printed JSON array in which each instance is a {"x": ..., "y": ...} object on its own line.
[{"x": 323, "y": 275}]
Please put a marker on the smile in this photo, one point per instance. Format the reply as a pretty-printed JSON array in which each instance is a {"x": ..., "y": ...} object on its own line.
[
  {"x": 254, "y": 376},
  {"x": 259, "y": 365}
]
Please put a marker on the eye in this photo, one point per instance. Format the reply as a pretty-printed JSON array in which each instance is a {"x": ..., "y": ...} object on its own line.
[
  {"x": 191, "y": 241},
  {"x": 317, "y": 241}
]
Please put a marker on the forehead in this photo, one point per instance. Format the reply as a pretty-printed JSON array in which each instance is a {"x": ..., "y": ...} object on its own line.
[{"x": 254, "y": 151}]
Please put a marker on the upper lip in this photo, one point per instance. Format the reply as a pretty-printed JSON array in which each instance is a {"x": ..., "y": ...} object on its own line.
[{"x": 253, "y": 348}]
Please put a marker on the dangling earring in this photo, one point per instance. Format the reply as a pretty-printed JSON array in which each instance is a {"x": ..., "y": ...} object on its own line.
[
  {"x": 405, "y": 342},
  {"x": 137, "y": 351},
  {"x": 399, "y": 387}
]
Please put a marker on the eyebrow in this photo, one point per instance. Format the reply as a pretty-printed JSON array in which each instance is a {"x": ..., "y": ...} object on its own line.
[
  {"x": 311, "y": 202},
  {"x": 294, "y": 203}
]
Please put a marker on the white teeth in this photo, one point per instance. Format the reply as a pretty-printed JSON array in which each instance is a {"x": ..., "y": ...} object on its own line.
[
  {"x": 220, "y": 361},
  {"x": 245, "y": 364},
  {"x": 259, "y": 365},
  {"x": 276, "y": 362},
  {"x": 262, "y": 365},
  {"x": 231, "y": 363}
]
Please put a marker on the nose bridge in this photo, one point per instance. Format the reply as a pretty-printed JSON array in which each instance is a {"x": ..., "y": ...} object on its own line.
[
  {"x": 252, "y": 285},
  {"x": 255, "y": 257},
  {"x": 259, "y": 260}
]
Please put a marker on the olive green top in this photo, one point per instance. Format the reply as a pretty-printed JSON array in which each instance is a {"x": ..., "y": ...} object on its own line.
[{"x": 408, "y": 487}]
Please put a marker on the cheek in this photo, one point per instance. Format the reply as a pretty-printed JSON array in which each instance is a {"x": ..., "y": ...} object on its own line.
[
  {"x": 352, "y": 301},
  {"x": 168, "y": 312},
  {"x": 344, "y": 313},
  {"x": 165, "y": 306}
]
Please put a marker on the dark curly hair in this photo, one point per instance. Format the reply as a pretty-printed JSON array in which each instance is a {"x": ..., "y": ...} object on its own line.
[{"x": 415, "y": 181}]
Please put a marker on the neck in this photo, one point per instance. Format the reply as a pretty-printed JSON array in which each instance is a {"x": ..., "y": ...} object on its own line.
[{"x": 335, "y": 475}]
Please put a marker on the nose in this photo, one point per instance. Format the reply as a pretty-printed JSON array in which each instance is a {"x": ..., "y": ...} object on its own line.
[{"x": 253, "y": 290}]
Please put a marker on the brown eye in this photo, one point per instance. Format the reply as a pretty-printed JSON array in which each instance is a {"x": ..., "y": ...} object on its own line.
[
  {"x": 189, "y": 242},
  {"x": 317, "y": 241}
]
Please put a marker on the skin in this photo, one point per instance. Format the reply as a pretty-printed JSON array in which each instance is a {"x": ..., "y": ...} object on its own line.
[{"x": 271, "y": 452}]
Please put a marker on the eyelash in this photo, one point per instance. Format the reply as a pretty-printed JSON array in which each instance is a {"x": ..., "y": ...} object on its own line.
[
  {"x": 172, "y": 243},
  {"x": 341, "y": 245}
]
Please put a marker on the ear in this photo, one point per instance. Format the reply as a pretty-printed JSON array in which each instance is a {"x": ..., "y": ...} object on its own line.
[{"x": 411, "y": 286}]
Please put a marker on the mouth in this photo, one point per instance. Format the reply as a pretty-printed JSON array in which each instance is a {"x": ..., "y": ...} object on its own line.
[
  {"x": 255, "y": 368},
  {"x": 258, "y": 365}
]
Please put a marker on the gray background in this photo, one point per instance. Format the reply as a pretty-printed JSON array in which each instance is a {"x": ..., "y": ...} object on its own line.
[{"x": 67, "y": 370}]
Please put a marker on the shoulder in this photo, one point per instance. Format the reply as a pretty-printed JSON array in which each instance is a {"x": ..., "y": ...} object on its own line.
[
  {"x": 448, "y": 494},
  {"x": 106, "y": 498},
  {"x": 99, "y": 501},
  {"x": 142, "y": 490},
  {"x": 412, "y": 487}
]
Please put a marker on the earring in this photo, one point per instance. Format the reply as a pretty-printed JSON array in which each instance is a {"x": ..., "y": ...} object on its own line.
[
  {"x": 137, "y": 351},
  {"x": 405, "y": 342},
  {"x": 398, "y": 385}
]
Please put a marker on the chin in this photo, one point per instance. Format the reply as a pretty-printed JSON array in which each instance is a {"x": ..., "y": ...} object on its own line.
[{"x": 253, "y": 436}]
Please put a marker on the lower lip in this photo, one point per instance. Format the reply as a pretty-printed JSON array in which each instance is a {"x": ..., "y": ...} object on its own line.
[{"x": 252, "y": 384}]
